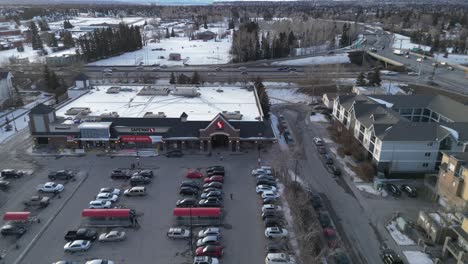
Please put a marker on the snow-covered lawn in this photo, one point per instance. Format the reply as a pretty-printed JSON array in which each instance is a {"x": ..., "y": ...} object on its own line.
[
  {"x": 195, "y": 52},
  {"x": 27, "y": 53},
  {"x": 453, "y": 58},
  {"x": 404, "y": 42},
  {"x": 369, "y": 188},
  {"x": 318, "y": 118},
  {"x": 417, "y": 257},
  {"x": 88, "y": 21},
  {"x": 286, "y": 95},
  {"x": 332, "y": 59},
  {"x": 400, "y": 238}
]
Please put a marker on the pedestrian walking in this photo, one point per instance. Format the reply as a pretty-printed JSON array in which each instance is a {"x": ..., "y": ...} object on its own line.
[
  {"x": 136, "y": 222},
  {"x": 230, "y": 195}
]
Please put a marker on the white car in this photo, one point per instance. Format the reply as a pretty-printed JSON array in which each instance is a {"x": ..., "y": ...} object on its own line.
[
  {"x": 107, "y": 197},
  {"x": 279, "y": 258},
  {"x": 208, "y": 240},
  {"x": 112, "y": 236},
  {"x": 276, "y": 232},
  {"x": 443, "y": 63},
  {"x": 99, "y": 204},
  {"x": 175, "y": 232},
  {"x": 77, "y": 245},
  {"x": 110, "y": 190},
  {"x": 99, "y": 261},
  {"x": 210, "y": 231},
  {"x": 205, "y": 260},
  {"x": 270, "y": 194},
  {"x": 419, "y": 59},
  {"x": 50, "y": 187},
  {"x": 264, "y": 188},
  {"x": 260, "y": 171},
  {"x": 271, "y": 207},
  {"x": 318, "y": 141}
]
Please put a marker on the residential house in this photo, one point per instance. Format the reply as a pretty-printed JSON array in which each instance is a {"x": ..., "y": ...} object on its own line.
[
  {"x": 175, "y": 57},
  {"x": 404, "y": 133},
  {"x": 458, "y": 247},
  {"x": 452, "y": 186},
  {"x": 82, "y": 81},
  {"x": 328, "y": 99}
]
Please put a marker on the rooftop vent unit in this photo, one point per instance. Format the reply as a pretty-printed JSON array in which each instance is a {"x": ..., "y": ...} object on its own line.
[
  {"x": 150, "y": 90},
  {"x": 110, "y": 114},
  {"x": 113, "y": 90},
  {"x": 186, "y": 91},
  {"x": 152, "y": 115},
  {"x": 78, "y": 111},
  {"x": 236, "y": 115}
]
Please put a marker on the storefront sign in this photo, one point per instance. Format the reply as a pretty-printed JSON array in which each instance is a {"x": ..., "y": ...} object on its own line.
[
  {"x": 219, "y": 125},
  {"x": 143, "y": 129},
  {"x": 142, "y": 139},
  {"x": 70, "y": 138}
]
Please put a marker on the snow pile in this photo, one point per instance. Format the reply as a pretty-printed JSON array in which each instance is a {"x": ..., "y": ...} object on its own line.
[
  {"x": 318, "y": 60},
  {"x": 452, "y": 131},
  {"x": 369, "y": 188},
  {"x": 400, "y": 238},
  {"x": 380, "y": 101},
  {"x": 274, "y": 123},
  {"x": 291, "y": 95},
  {"x": 417, "y": 257},
  {"x": 393, "y": 87},
  {"x": 318, "y": 118},
  {"x": 404, "y": 42},
  {"x": 193, "y": 52}
]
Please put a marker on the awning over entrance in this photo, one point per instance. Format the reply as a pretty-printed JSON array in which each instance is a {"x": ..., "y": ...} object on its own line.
[
  {"x": 141, "y": 139},
  {"x": 105, "y": 213},
  {"x": 16, "y": 216},
  {"x": 216, "y": 212}
]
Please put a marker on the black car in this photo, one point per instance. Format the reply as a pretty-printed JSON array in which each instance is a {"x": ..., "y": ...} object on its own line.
[
  {"x": 120, "y": 174},
  {"x": 187, "y": 202},
  {"x": 266, "y": 182},
  {"x": 215, "y": 172},
  {"x": 61, "y": 175},
  {"x": 277, "y": 247},
  {"x": 269, "y": 214},
  {"x": 390, "y": 257},
  {"x": 315, "y": 200},
  {"x": 393, "y": 190},
  {"x": 174, "y": 154},
  {"x": 409, "y": 190},
  {"x": 328, "y": 159},
  {"x": 4, "y": 185},
  {"x": 214, "y": 168},
  {"x": 322, "y": 150},
  {"x": 11, "y": 174},
  {"x": 144, "y": 173},
  {"x": 216, "y": 194},
  {"x": 188, "y": 191},
  {"x": 270, "y": 201},
  {"x": 265, "y": 177},
  {"x": 139, "y": 180},
  {"x": 335, "y": 170},
  {"x": 213, "y": 185},
  {"x": 324, "y": 220},
  {"x": 212, "y": 189},
  {"x": 13, "y": 229},
  {"x": 272, "y": 222},
  {"x": 191, "y": 184},
  {"x": 210, "y": 202}
]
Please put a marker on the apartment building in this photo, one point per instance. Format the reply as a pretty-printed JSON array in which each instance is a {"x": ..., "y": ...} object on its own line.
[
  {"x": 452, "y": 186},
  {"x": 404, "y": 133}
]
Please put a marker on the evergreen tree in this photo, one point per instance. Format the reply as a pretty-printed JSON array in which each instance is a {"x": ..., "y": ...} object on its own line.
[
  {"x": 195, "y": 78},
  {"x": 172, "y": 33},
  {"x": 20, "y": 47},
  {"x": 361, "y": 81},
  {"x": 43, "y": 25},
  {"x": 183, "y": 79},
  {"x": 68, "y": 41},
  {"x": 231, "y": 24},
  {"x": 35, "y": 38},
  {"x": 263, "y": 97},
  {"x": 344, "y": 40},
  {"x": 266, "y": 52},
  {"x": 172, "y": 80},
  {"x": 205, "y": 26},
  {"x": 374, "y": 78},
  {"x": 53, "y": 40},
  {"x": 292, "y": 40},
  {"x": 167, "y": 33},
  {"x": 67, "y": 24}
]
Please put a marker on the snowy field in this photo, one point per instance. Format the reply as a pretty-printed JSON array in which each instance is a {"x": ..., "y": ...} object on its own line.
[
  {"x": 404, "y": 42},
  {"x": 318, "y": 60},
  {"x": 400, "y": 238},
  {"x": 88, "y": 21},
  {"x": 286, "y": 95},
  {"x": 212, "y": 100},
  {"x": 417, "y": 257},
  {"x": 30, "y": 54},
  {"x": 453, "y": 58},
  {"x": 195, "y": 52}
]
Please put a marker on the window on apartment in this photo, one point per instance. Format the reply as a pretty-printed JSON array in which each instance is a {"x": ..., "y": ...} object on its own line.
[
  {"x": 427, "y": 154},
  {"x": 427, "y": 112},
  {"x": 425, "y": 164},
  {"x": 429, "y": 144},
  {"x": 417, "y": 111}
]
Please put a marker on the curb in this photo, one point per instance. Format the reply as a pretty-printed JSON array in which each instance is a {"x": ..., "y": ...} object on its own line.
[{"x": 44, "y": 228}]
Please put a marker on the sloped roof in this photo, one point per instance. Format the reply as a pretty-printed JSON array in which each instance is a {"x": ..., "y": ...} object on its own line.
[
  {"x": 41, "y": 109},
  {"x": 3, "y": 74},
  {"x": 408, "y": 131}
]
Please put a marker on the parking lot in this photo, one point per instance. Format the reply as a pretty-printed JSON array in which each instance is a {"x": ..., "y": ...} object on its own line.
[{"x": 242, "y": 234}]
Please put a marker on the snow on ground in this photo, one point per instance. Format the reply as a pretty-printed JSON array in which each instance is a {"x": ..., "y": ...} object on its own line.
[
  {"x": 404, "y": 42},
  {"x": 417, "y": 257},
  {"x": 194, "y": 52},
  {"x": 400, "y": 238},
  {"x": 285, "y": 95},
  {"x": 318, "y": 118},
  {"x": 212, "y": 100},
  {"x": 27, "y": 53},
  {"x": 393, "y": 87},
  {"x": 452, "y": 58},
  {"x": 281, "y": 140},
  {"x": 331, "y": 59},
  {"x": 369, "y": 188},
  {"x": 88, "y": 21}
]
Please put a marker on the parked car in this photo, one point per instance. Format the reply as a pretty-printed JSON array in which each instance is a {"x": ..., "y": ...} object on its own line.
[
  {"x": 262, "y": 188},
  {"x": 390, "y": 257},
  {"x": 187, "y": 202},
  {"x": 409, "y": 190},
  {"x": 38, "y": 201},
  {"x": 174, "y": 154},
  {"x": 135, "y": 191},
  {"x": 77, "y": 245},
  {"x": 99, "y": 261},
  {"x": 318, "y": 141},
  {"x": 120, "y": 174},
  {"x": 210, "y": 231},
  {"x": 335, "y": 170},
  {"x": 50, "y": 187},
  {"x": 9, "y": 173},
  {"x": 392, "y": 189},
  {"x": 266, "y": 182},
  {"x": 275, "y": 232},
  {"x": 216, "y": 194},
  {"x": 279, "y": 258},
  {"x": 315, "y": 200},
  {"x": 144, "y": 173},
  {"x": 112, "y": 236},
  {"x": 4, "y": 185},
  {"x": 261, "y": 171},
  {"x": 107, "y": 197},
  {"x": 276, "y": 247},
  {"x": 13, "y": 229},
  {"x": 61, "y": 175},
  {"x": 271, "y": 214},
  {"x": 177, "y": 233},
  {"x": 99, "y": 204},
  {"x": 208, "y": 240},
  {"x": 205, "y": 260},
  {"x": 271, "y": 207},
  {"x": 191, "y": 184},
  {"x": 194, "y": 175},
  {"x": 110, "y": 190},
  {"x": 328, "y": 159},
  {"x": 212, "y": 169},
  {"x": 265, "y": 177},
  {"x": 81, "y": 234},
  {"x": 188, "y": 191},
  {"x": 322, "y": 150},
  {"x": 324, "y": 220},
  {"x": 139, "y": 180},
  {"x": 210, "y": 250},
  {"x": 217, "y": 185},
  {"x": 273, "y": 222},
  {"x": 216, "y": 172},
  {"x": 212, "y": 189},
  {"x": 269, "y": 194},
  {"x": 214, "y": 178},
  {"x": 210, "y": 202}
]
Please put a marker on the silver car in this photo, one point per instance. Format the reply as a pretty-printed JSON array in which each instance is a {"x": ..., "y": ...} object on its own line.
[
  {"x": 208, "y": 240},
  {"x": 112, "y": 236},
  {"x": 77, "y": 245},
  {"x": 210, "y": 231}
]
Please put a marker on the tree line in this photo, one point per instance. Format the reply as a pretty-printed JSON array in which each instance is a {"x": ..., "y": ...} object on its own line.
[
  {"x": 184, "y": 79},
  {"x": 106, "y": 42}
]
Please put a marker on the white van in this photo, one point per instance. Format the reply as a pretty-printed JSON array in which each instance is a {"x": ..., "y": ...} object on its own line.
[{"x": 135, "y": 191}]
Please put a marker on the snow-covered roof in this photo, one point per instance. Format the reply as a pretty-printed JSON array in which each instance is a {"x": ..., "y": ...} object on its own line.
[
  {"x": 95, "y": 125},
  {"x": 210, "y": 102}
]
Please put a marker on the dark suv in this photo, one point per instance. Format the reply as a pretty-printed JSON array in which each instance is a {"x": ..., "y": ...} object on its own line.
[
  {"x": 191, "y": 184},
  {"x": 139, "y": 180},
  {"x": 61, "y": 175},
  {"x": 393, "y": 190},
  {"x": 11, "y": 174},
  {"x": 188, "y": 191},
  {"x": 144, "y": 173},
  {"x": 11, "y": 229},
  {"x": 120, "y": 174}
]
